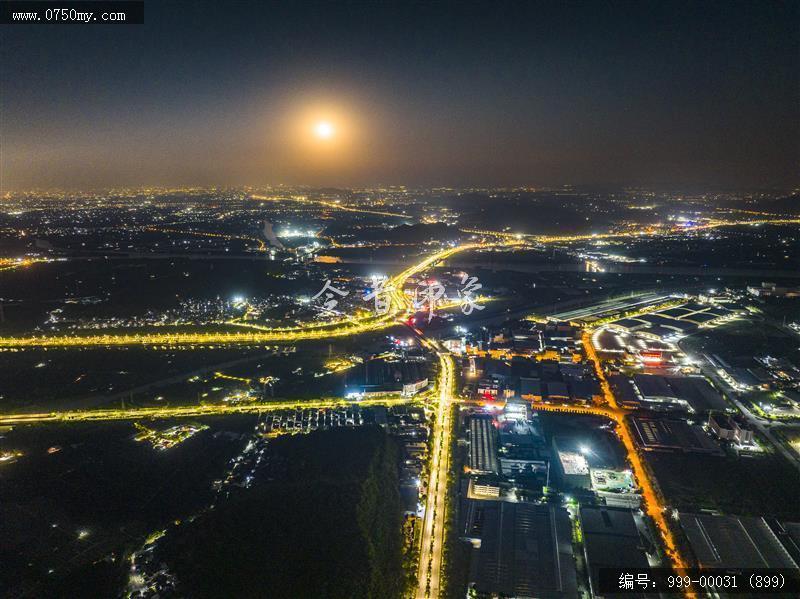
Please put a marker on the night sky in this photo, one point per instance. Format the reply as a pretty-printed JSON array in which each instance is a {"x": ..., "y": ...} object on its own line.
[{"x": 497, "y": 94}]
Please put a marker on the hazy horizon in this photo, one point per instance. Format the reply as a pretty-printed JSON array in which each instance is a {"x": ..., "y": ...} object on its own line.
[{"x": 493, "y": 95}]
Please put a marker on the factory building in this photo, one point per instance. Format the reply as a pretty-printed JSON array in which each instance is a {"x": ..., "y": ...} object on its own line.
[
  {"x": 483, "y": 445},
  {"x": 520, "y": 550}
]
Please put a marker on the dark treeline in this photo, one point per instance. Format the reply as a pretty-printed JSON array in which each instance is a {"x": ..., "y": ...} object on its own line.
[{"x": 328, "y": 525}]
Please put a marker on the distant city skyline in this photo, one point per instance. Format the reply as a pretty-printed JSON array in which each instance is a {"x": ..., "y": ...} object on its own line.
[{"x": 489, "y": 95}]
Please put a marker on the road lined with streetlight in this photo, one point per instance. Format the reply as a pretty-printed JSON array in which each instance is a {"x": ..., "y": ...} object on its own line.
[
  {"x": 435, "y": 516},
  {"x": 399, "y": 306},
  {"x": 193, "y": 411},
  {"x": 352, "y": 326},
  {"x": 652, "y": 503}
]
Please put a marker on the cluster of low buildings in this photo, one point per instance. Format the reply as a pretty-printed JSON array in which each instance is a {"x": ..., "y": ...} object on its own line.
[
  {"x": 508, "y": 453},
  {"x": 680, "y": 413},
  {"x": 647, "y": 338},
  {"x": 767, "y": 289},
  {"x": 647, "y": 343},
  {"x": 524, "y": 544},
  {"x": 529, "y": 339},
  {"x": 531, "y": 362},
  {"x": 693, "y": 394},
  {"x": 763, "y": 373},
  {"x": 678, "y": 409},
  {"x": 409, "y": 425},
  {"x": 771, "y": 385},
  {"x": 492, "y": 380},
  {"x": 305, "y": 420},
  {"x": 406, "y": 375},
  {"x": 161, "y": 440}
]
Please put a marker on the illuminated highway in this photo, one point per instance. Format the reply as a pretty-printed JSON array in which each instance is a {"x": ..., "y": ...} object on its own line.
[
  {"x": 259, "y": 244},
  {"x": 327, "y": 204},
  {"x": 644, "y": 232},
  {"x": 14, "y": 263},
  {"x": 193, "y": 411},
  {"x": 399, "y": 306},
  {"x": 435, "y": 516},
  {"x": 200, "y": 338},
  {"x": 353, "y": 326}
]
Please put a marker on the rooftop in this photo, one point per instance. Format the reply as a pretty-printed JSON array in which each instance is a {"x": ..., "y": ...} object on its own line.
[
  {"x": 525, "y": 551},
  {"x": 734, "y": 542}
]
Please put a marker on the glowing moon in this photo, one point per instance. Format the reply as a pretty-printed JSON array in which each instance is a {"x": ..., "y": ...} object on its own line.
[{"x": 324, "y": 130}]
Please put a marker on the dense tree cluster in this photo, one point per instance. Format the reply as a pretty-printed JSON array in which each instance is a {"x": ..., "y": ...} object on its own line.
[
  {"x": 742, "y": 486},
  {"x": 328, "y": 525}
]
